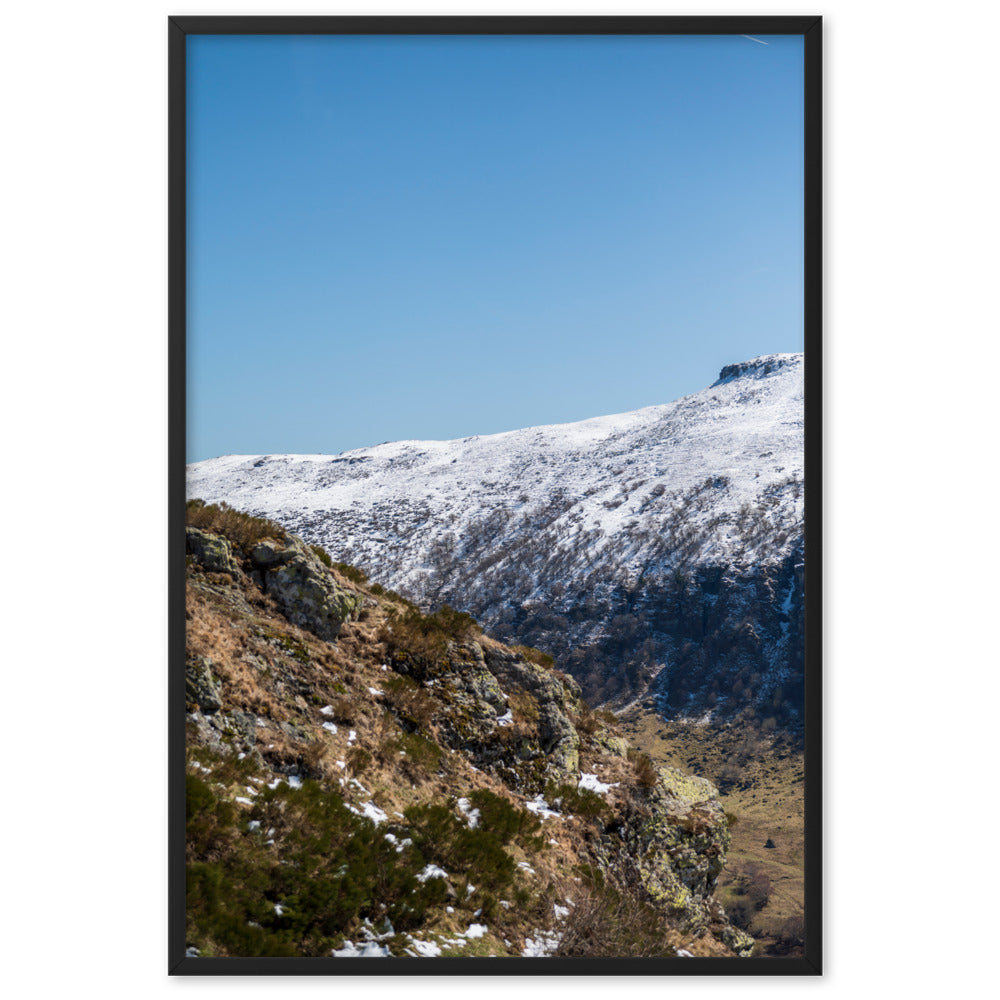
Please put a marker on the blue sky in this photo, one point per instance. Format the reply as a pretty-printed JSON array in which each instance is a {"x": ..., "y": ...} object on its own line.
[{"x": 433, "y": 237}]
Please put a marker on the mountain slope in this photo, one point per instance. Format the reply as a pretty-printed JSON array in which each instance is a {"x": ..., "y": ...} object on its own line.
[
  {"x": 364, "y": 780},
  {"x": 658, "y": 550}
]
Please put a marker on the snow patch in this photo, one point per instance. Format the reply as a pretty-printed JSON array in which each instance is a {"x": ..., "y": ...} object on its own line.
[
  {"x": 426, "y": 949},
  {"x": 471, "y": 815},
  {"x": 542, "y": 946},
  {"x": 432, "y": 871},
  {"x": 591, "y": 782},
  {"x": 540, "y": 807},
  {"x": 366, "y": 949},
  {"x": 373, "y": 812}
]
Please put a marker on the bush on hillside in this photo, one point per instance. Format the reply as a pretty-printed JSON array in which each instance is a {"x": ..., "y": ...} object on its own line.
[
  {"x": 244, "y": 530},
  {"x": 613, "y": 920},
  {"x": 424, "y": 639}
]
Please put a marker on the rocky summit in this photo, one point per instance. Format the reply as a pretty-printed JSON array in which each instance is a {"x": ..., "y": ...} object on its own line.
[
  {"x": 655, "y": 553},
  {"x": 367, "y": 779}
]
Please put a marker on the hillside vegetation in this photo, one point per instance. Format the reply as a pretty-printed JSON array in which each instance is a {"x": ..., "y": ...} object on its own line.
[
  {"x": 760, "y": 772},
  {"x": 366, "y": 779}
]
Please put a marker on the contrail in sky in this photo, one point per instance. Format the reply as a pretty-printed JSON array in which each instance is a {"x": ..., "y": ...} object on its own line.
[{"x": 752, "y": 39}]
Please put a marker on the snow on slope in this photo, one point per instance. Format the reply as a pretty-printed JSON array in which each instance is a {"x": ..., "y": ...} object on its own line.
[
  {"x": 744, "y": 433},
  {"x": 658, "y": 550}
]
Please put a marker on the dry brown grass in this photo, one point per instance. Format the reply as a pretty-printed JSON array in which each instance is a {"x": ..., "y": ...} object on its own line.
[
  {"x": 221, "y": 519},
  {"x": 284, "y": 674}
]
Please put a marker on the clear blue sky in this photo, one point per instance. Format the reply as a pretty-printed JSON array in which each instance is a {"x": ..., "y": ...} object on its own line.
[{"x": 432, "y": 237}]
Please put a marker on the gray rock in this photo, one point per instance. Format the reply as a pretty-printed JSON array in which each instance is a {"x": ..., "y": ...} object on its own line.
[
  {"x": 303, "y": 587},
  {"x": 560, "y": 740},
  {"x": 201, "y": 686},
  {"x": 471, "y": 675},
  {"x": 213, "y": 551},
  {"x": 294, "y": 732},
  {"x": 245, "y": 724},
  {"x": 269, "y": 552}
]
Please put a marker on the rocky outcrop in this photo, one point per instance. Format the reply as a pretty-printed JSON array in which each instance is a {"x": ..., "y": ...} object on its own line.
[
  {"x": 401, "y": 709},
  {"x": 509, "y": 715},
  {"x": 213, "y": 551},
  {"x": 558, "y": 738},
  {"x": 303, "y": 587},
  {"x": 201, "y": 687},
  {"x": 678, "y": 843}
]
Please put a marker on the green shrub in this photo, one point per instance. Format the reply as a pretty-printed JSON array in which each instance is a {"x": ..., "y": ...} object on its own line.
[
  {"x": 475, "y": 852},
  {"x": 418, "y": 755},
  {"x": 536, "y": 656},
  {"x": 322, "y": 555},
  {"x": 413, "y": 637},
  {"x": 324, "y": 865},
  {"x": 351, "y": 573},
  {"x": 578, "y": 801},
  {"x": 505, "y": 820}
]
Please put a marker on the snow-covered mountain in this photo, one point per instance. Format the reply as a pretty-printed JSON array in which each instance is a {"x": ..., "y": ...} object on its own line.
[{"x": 654, "y": 550}]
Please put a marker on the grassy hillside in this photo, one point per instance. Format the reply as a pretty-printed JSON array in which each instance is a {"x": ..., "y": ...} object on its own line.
[
  {"x": 366, "y": 779},
  {"x": 760, "y": 776}
]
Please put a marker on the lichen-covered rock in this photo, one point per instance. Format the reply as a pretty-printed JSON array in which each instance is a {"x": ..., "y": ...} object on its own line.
[
  {"x": 613, "y": 745},
  {"x": 213, "y": 551},
  {"x": 560, "y": 741},
  {"x": 201, "y": 687},
  {"x": 469, "y": 673},
  {"x": 680, "y": 843},
  {"x": 304, "y": 588},
  {"x": 270, "y": 552},
  {"x": 741, "y": 942}
]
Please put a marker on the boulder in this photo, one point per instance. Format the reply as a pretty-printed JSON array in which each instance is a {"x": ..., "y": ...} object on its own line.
[
  {"x": 303, "y": 587},
  {"x": 471, "y": 674},
  {"x": 213, "y": 551},
  {"x": 201, "y": 687},
  {"x": 680, "y": 841},
  {"x": 560, "y": 741},
  {"x": 270, "y": 552}
]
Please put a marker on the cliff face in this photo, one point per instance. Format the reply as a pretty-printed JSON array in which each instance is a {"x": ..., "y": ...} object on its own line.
[{"x": 367, "y": 779}]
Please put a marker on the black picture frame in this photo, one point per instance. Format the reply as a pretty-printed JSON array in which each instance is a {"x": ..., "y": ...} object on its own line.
[{"x": 810, "y": 28}]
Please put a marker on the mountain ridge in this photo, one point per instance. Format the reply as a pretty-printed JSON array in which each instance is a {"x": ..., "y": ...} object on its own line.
[{"x": 677, "y": 521}]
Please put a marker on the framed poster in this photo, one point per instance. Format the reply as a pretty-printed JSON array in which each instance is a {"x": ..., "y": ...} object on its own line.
[{"x": 495, "y": 495}]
